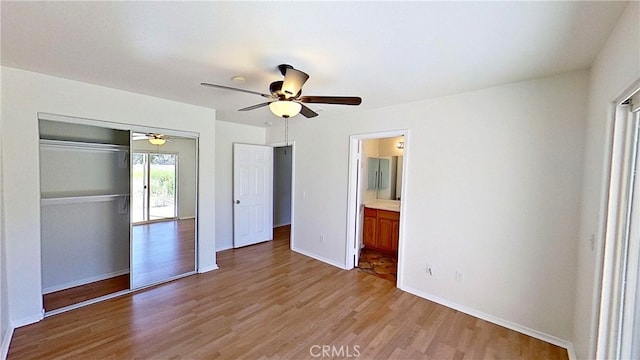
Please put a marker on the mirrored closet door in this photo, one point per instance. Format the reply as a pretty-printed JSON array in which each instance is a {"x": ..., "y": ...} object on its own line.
[
  {"x": 118, "y": 208},
  {"x": 163, "y": 207}
]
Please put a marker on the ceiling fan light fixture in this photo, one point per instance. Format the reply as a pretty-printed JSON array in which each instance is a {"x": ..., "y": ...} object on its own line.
[
  {"x": 157, "y": 141},
  {"x": 293, "y": 81},
  {"x": 285, "y": 108}
]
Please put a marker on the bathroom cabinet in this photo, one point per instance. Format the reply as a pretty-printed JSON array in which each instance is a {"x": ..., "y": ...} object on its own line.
[{"x": 381, "y": 230}]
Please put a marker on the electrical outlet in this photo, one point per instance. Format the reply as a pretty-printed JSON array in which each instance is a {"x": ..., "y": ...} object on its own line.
[
  {"x": 429, "y": 270},
  {"x": 459, "y": 276}
]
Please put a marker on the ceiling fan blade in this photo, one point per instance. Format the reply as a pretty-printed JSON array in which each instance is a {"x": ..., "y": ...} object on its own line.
[
  {"x": 236, "y": 89},
  {"x": 253, "y": 107},
  {"x": 307, "y": 112},
  {"x": 339, "y": 100},
  {"x": 293, "y": 81}
]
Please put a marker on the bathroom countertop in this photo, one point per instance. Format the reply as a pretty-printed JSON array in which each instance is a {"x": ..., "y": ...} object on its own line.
[{"x": 389, "y": 205}]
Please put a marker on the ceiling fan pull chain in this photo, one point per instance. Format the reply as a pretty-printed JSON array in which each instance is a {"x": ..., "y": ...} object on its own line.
[{"x": 286, "y": 131}]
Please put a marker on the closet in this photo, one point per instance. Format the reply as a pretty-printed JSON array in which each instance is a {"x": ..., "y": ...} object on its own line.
[
  {"x": 90, "y": 248},
  {"x": 84, "y": 184}
]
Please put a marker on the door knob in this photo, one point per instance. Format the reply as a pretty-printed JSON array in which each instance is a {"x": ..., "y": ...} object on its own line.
[{"x": 237, "y": 201}]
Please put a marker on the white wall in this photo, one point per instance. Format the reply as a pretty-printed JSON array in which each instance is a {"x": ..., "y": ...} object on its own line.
[
  {"x": 493, "y": 190},
  {"x": 226, "y": 134},
  {"x": 614, "y": 70},
  {"x": 24, "y": 94},
  {"x": 5, "y": 327}
]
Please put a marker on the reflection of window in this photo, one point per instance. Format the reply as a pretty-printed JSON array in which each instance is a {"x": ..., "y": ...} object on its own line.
[{"x": 154, "y": 186}]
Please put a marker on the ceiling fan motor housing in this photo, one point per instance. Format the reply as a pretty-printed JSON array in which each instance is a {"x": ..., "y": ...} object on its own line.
[{"x": 276, "y": 90}]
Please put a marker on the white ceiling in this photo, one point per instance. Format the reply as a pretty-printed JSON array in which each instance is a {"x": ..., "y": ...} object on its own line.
[{"x": 386, "y": 52}]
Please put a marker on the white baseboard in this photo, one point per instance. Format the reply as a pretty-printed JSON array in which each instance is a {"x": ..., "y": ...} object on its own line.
[
  {"x": 278, "y": 225},
  {"x": 496, "y": 320},
  {"x": 84, "y": 281},
  {"x": 6, "y": 341},
  {"x": 572, "y": 352},
  {"x": 320, "y": 258},
  {"x": 224, "y": 248},
  {"x": 186, "y": 218},
  {"x": 27, "y": 320},
  {"x": 208, "y": 268}
]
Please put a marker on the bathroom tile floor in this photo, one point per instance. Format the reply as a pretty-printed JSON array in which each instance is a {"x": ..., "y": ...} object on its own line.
[{"x": 378, "y": 264}]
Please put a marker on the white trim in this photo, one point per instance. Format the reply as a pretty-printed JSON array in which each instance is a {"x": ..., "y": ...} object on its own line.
[
  {"x": 319, "y": 258},
  {"x": 571, "y": 351},
  {"x": 26, "y": 321},
  {"x": 496, "y": 320},
  {"x": 51, "y": 199},
  {"x": 87, "y": 302},
  {"x": 84, "y": 281},
  {"x": 186, "y": 218},
  {"x": 6, "y": 341},
  {"x": 114, "y": 125},
  {"x": 613, "y": 191},
  {"x": 68, "y": 145},
  {"x": 353, "y": 215},
  {"x": 208, "y": 268}
]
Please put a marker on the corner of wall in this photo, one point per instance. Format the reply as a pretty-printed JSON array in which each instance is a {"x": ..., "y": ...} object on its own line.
[{"x": 616, "y": 66}]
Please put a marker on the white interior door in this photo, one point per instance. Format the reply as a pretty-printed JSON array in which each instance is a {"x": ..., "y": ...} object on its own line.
[
  {"x": 360, "y": 206},
  {"x": 252, "y": 194}
]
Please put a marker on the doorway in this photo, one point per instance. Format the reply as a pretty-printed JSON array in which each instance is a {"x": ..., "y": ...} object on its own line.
[
  {"x": 377, "y": 175},
  {"x": 153, "y": 186},
  {"x": 283, "y": 190},
  {"x": 282, "y": 186},
  {"x": 619, "y": 322}
]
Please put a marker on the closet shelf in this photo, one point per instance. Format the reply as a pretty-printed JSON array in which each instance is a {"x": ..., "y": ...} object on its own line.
[
  {"x": 62, "y": 199},
  {"x": 79, "y": 145}
]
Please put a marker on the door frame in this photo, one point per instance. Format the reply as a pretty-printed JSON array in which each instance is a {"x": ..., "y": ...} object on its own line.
[
  {"x": 148, "y": 189},
  {"x": 354, "y": 215},
  {"x": 615, "y": 225},
  {"x": 291, "y": 143}
]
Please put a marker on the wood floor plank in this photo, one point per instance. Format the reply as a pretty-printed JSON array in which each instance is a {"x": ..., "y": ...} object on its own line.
[
  {"x": 266, "y": 302},
  {"x": 161, "y": 250}
]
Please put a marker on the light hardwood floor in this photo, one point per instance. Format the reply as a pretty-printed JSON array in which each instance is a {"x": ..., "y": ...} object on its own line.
[
  {"x": 268, "y": 302},
  {"x": 78, "y": 294},
  {"x": 161, "y": 250}
]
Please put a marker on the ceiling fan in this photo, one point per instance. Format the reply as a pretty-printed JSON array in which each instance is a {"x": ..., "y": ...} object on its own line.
[
  {"x": 285, "y": 98},
  {"x": 153, "y": 138}
]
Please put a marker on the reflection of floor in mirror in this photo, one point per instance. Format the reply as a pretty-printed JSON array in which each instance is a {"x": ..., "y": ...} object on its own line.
[
  {"x": 162, "y": 250},
  {"x": 78, "y": 294}
]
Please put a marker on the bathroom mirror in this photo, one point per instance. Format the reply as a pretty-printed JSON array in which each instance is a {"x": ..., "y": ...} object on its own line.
[
  {"x": 163, "y": 207},
  {"x": 388, "y": 171}
]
